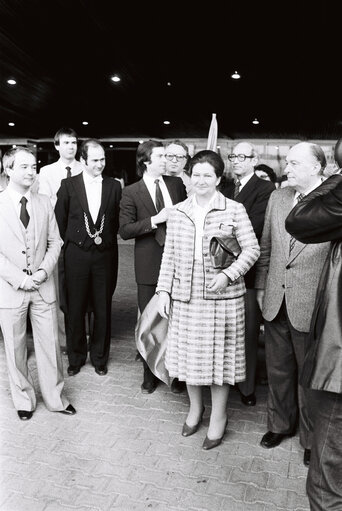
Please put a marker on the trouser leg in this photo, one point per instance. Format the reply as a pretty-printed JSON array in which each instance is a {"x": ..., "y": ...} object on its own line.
[
  {"x": 324, "y": 482},
  {"x": 13, "y": 325}
]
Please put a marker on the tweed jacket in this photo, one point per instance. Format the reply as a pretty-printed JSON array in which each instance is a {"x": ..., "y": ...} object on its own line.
[
  {"x": 294, "y": 277},
  {"x": 13, "y": 250},
  {"x": 176, "y": 270}
]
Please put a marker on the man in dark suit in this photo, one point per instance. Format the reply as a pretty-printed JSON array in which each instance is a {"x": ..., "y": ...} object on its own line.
[
  {"x": 144, "y": 210},
  {"x": 253, "y": 193},
  {"x": 87, "y": 212}
]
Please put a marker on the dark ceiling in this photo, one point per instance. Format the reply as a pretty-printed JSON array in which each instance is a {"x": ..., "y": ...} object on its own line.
[{"x": 62, "y": 54}]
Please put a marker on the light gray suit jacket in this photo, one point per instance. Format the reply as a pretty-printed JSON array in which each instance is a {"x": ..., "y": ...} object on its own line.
[
  {"x": 12, "y": 249},
  {"x": 294, "y": 277}
]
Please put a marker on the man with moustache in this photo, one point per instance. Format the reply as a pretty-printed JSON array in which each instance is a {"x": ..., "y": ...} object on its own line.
[
  {"x": 87, "y": 212},
  {"x": 254, "y": 194},
  {"x": 29, "y": 248},
  {"x": 287, "y": 278},
  {"x": 144, "y": 210}
]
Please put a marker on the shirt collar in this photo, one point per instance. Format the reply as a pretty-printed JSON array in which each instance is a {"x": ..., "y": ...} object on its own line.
[
  {"x": 316, "y": 185},
  {"x": 151, "y": 179},
  {"x": 16, "y": 196},
  {"x": 244, "y": 180},
  {"x": 90, "y": 180}
]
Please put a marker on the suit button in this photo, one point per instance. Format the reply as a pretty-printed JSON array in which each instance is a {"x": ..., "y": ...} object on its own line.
[
  {"x": 78, "y": 230},
  {"x": 23, "y": 252},
  {"x": 80, "y": 242},
  {"x": 206, "y": 254},
  {"x": 283, "y": 285},
  {"x": 207, "y": 270}
]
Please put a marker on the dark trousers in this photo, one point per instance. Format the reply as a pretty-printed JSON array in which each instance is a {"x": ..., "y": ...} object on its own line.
[
  {"x": 252, "y": 330},
  {"x": 324, "y": 482},
  {"x": 91, "y": 274},
  {"x": 145, "y": 293},
  {"x": 287, "y": 400}
]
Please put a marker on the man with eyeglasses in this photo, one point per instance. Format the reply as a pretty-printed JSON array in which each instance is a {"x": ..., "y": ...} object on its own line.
[
  {"x": 177, "y": 154},
  {"x": 254, "y": 194}
]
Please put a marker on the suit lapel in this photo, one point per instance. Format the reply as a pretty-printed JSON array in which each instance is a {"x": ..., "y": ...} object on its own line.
[
  {"x": 171, "y": 189},
  {"x": 78, "y": 184},
  {"x": 247, "y": 189},
  {"x": 143, "y": 195},
  {"x": 37, "y": 218},
  {"x": 9, "y": 214},
  {"x": 106, "y": 191}
]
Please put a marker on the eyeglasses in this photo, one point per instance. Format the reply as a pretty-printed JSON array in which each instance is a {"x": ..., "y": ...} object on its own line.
[
  {"x": 239, "y": 157},
  {"x": 171, "y": 157}
]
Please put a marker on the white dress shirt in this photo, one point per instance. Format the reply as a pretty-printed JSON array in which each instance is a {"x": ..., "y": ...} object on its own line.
[
  {"x": 199, "y": 216},
  {"x": 93, "y": 187},
  {"x": 244, "y": 180},
  {"x": 151, "y": 186},
  {"x": 16, "y": 198}
]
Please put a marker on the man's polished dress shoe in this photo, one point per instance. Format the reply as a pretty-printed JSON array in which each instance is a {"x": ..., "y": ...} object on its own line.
[
  {"x": 249, "y": 400},
  {"x": 210, "y": 444},
  {"x": 270, "y": 440},
  {"x": 24, "y": 415},
  {"x": 177, "y": 387},
  {"x": 72, "y": 370},
  {"x": 147, "y": 387},
  {"x": 190, "y": 430},
  {"x": 101, "y": 370},
  {"x": 306, "y": 458},
  {"x": 70, "y": 410}
]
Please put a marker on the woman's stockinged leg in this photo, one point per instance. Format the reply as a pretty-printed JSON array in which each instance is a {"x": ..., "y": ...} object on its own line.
[
  {"x": 196, "y": 404},
  {"x": 218, "y": 416}
]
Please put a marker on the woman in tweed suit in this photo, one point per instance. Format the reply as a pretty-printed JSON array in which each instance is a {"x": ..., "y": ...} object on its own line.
[{"x": 204, "y": 305}]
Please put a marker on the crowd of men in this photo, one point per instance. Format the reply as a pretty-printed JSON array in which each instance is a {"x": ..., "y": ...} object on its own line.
[{"x": 59, "y": 264}]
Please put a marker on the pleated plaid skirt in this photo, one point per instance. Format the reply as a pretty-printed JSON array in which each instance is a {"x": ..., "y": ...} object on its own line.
[{"x": 206, "y": 338}]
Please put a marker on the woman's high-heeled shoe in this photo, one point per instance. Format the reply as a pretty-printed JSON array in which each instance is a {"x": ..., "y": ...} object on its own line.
[
  {"x": 210, "y": 444},
  {"x": 190, "y": 430}
]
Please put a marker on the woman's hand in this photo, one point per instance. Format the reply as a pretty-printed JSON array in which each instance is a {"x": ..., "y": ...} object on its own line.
[
  {"x": 219, "y": 283},
  {"x": 164, "y": 304}
]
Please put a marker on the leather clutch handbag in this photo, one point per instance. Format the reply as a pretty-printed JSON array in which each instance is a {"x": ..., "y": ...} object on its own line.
[{"x": 223, "y": 251}]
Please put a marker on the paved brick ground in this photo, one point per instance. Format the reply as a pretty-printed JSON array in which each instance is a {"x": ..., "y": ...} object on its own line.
[{"x": 123, "y": 450}]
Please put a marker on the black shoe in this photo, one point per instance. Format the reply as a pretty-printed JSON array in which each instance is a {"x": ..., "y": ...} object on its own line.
[
  {"x": 210, "y": 444},
  {"x": 191, "y": 430},
  {"x": 101, "y": 370},
  {"x": 249, "y": 400},
  {"x": 148, "y": 387},
  {"x": 177, "y": 387},
  {"x": 72, "y": 370},
  {"x": 270, "y": 440},
  {"x": 24, "y": 415},
  {"x": 306, "y": 458},
  {"x": 70, "y": 410}
]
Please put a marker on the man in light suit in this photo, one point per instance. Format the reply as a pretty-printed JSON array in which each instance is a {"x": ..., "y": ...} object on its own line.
[
  {"x": 142, "y": 219},
  {"x": 29, "y": 248},
  {"x": 87, "y": 212},
  {"x": 287, "y": 277},
  {"x": 253, "y": 193},
  {"x": 49, "y": 182}
]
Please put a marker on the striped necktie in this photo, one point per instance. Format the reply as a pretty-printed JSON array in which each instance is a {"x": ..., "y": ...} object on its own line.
[
  {"x": 292, "y": 239},
  {"x": 237, "y": 188}
]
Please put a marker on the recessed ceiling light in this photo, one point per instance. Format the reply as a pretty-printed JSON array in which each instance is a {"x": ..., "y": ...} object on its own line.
[
  {"x": 236, "y": 75},
  {"x": 11, "y": 81},
  {"x": 169, "y": 84},
  {"x": 166, "y": 122},
  {"x": 14, "y": 146},
  {"x": 115, "y": 78},
  {"x": 110, "y": 145},
  {"x": 85, "y": 123},
  {"x": 255, "y": 121},
  {"x": 141, "y": 141},
  {"x": 11, "y": 124}
]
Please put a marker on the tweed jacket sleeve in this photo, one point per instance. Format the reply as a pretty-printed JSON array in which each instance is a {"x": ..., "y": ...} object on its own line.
[{"x": 265, "y": 249}]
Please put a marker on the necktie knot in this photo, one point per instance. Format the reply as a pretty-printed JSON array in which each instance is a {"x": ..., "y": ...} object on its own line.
[
  {"x": 300, "y": 197},
  {"x": 24, "y": 216},
  {"x": 68, "y": 169},
  {"x": 237, "y": 187}
]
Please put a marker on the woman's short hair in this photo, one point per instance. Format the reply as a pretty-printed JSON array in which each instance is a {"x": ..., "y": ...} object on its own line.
[
  {"x": 210, "y": 157},
  {"x": 144, "y": 152}
]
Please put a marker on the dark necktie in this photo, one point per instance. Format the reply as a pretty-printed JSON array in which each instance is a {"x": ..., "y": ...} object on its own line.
[
  {"x": 24, "y": 216},
  {"x": 68, "y": 169},
  {"x": 159, "y": 197},
  {"x": 292, "y": 239},
  {"x": 237, "y": 188},
  {"x": 161, "y": 229}
]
